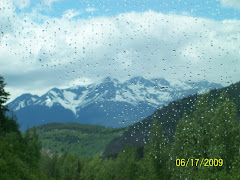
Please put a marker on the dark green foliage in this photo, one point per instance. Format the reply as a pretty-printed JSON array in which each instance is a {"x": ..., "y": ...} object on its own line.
[
  {"x": 33, "y": 147},
  {"x": 19, "y": 155},
  {"x": 3, "y": 96},
  {"x": 7, "y": 124},
  {"x": 212, "y": 131},
  {"x": 156, "y": 154},
  {"x": 126, "y": 164}
]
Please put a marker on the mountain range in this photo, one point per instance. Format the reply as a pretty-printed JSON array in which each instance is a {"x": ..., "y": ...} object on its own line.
[{"x": 109, "y": 102}]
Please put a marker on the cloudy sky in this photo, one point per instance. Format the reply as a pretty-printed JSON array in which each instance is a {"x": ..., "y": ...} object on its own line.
[{"x": 52, "y": 43}]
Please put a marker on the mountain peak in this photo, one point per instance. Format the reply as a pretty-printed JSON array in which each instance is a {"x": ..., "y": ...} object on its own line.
[
  {"x": 107, "y": 102},
  {"x": 137, "y": 79},
  {"x": 55, "y": 89},
  {"x": 161, "y": 81},
  {"x": 27, "y": 96},
  {"x": 22, "y": 101},
  {"x": 110, "y": 79}
]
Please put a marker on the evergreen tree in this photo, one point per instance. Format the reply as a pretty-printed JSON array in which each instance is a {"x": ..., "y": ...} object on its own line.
[
  {"x": 156, "y": 154},
  {"x": 209, "y": 132},
  {"x": 225, "y": 137},
  {"x": 18, "y": 155},
  {"x": 3, "y": 96},
  {"x": 126, "y": 164},
  {"x": 91, "y": 168},
  {"x": 107, "y": 170}
]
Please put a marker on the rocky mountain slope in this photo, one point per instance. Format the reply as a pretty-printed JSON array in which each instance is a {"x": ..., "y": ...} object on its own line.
[{"x": 109, "y": 102}]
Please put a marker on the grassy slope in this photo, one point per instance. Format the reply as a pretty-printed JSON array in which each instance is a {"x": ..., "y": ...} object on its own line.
[{"x": 85, "y": 140}]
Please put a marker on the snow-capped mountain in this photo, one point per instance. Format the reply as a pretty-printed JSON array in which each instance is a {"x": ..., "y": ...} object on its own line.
[{"x": 108, "y": 102}]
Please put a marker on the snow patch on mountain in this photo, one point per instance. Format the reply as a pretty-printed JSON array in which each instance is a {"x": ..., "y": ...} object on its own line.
[{"x": 154, "y": 92}]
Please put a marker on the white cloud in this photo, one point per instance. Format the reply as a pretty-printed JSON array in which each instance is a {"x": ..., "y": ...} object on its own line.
[
  {"x": 8, "y": 6},
  {"x": 49, "y": 2},
  {"x": 21, "y": 4},
  {"x": 70, "y": 13},
  {"x": 63, "y": 52},
  {"x": 89, "y": 9},
  {"x": 83, "y": 81},
  {"x": 6, "y": 15},
  {"x": 231, "y": 3}
]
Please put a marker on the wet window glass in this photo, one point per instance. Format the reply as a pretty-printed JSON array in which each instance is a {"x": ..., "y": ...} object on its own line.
[{"x": 119, "y": 89}]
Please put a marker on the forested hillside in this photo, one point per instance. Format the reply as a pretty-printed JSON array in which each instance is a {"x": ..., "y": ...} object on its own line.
[
  {"x": 205, "y": 145},
  {"x": 85, "y": 140},
  {"x": 138, "y": 134}
]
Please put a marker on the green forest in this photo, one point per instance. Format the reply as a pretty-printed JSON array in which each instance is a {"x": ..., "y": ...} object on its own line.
[
  {"x": 206, "y": 128},
  {"x": 85, "y": 140}
]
